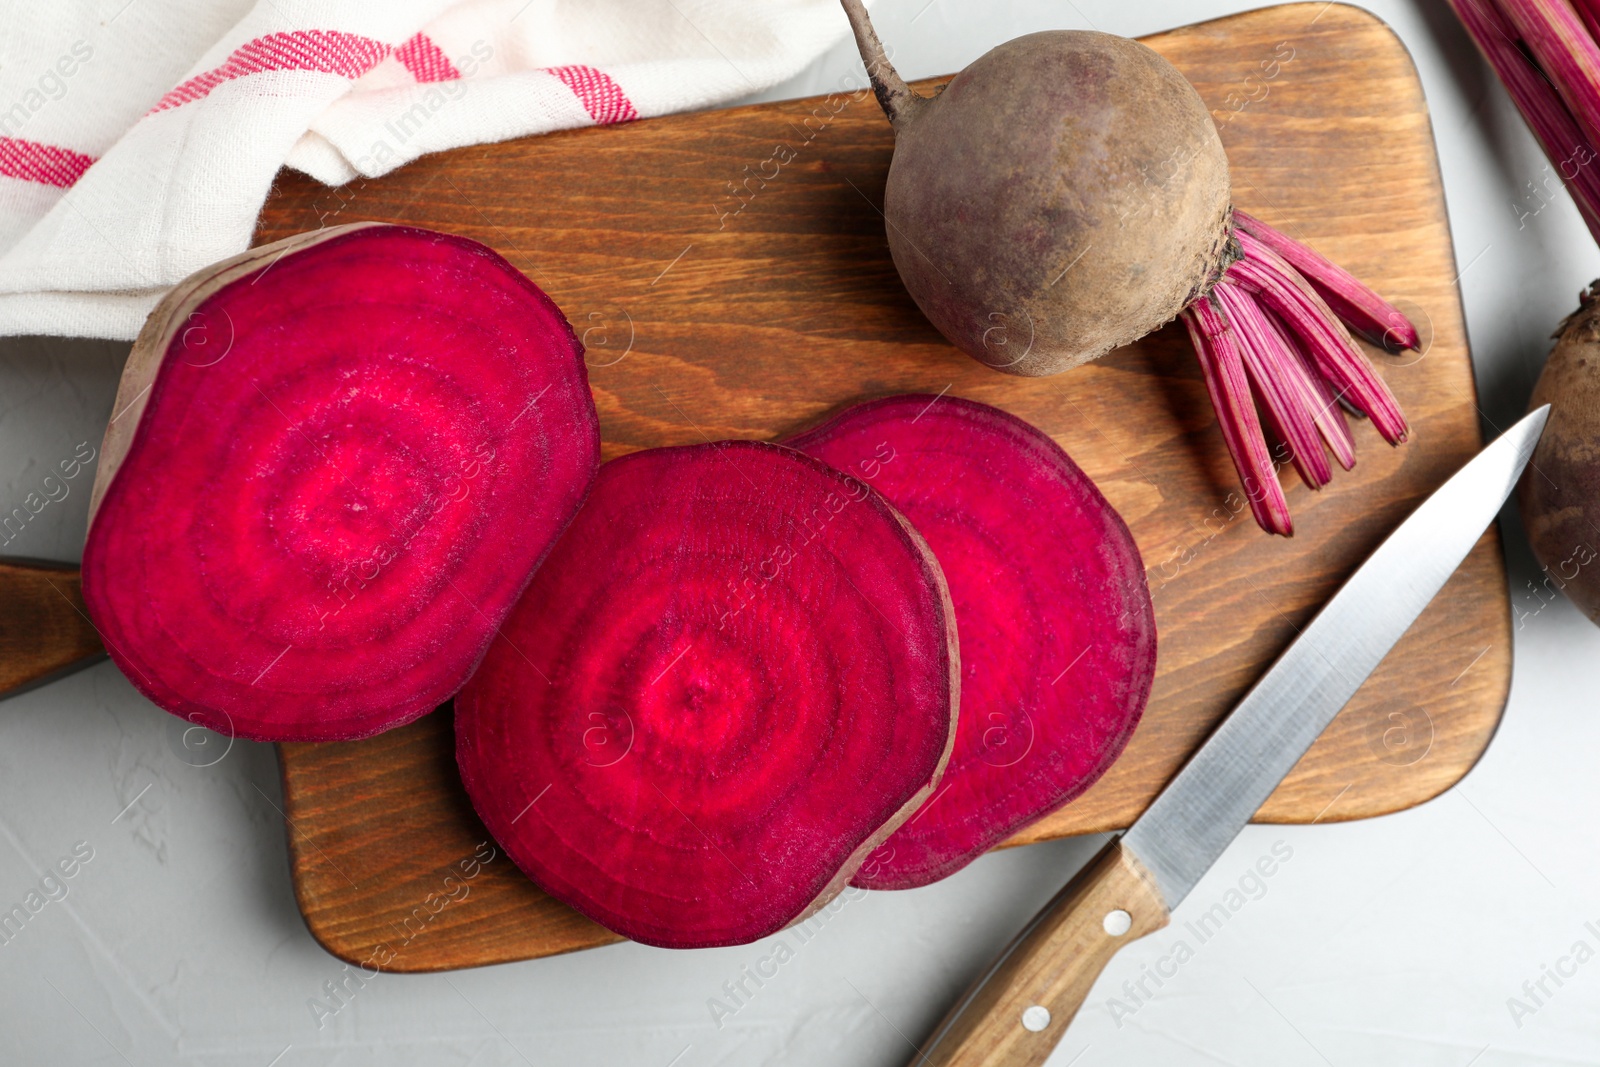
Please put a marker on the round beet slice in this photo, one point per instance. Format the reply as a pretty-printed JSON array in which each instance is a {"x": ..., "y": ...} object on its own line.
[
  {"x": 1058, "y": 637},
  {"x": 334, "y": 464},
  {"x": 735, "y": 675}
]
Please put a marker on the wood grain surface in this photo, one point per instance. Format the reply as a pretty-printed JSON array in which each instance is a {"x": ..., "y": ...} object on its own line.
[
  {"x": 729, "y": 274},
  {"x": 44, "y": 630}
]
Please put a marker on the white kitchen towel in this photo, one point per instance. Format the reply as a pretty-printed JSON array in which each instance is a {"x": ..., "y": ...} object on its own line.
[{"x": 139, "y": 138}]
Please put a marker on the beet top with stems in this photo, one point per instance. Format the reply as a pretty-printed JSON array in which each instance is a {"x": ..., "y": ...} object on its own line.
[{"x": 1070, "y": 188}]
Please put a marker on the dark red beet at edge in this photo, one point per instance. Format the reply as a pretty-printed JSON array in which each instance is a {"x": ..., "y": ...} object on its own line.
[
  {"x": 735, "y": 675},
  {"x": 1057, "y": 631},
  {"x": 347, "y": 455}
]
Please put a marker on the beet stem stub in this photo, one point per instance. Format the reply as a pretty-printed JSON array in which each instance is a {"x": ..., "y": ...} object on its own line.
[
  {"x": 337, "y": 461},
  {"x": 1057, "y": 632},
  {"x": 899, "y": 101},
  {"x": 736, "y": 674}
]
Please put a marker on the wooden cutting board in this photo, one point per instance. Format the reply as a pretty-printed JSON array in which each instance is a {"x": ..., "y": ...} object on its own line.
[{"x": 729, "y": 274}]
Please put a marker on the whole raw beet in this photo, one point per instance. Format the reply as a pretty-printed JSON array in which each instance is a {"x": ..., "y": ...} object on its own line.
[
  {"x": 1065, "y": 194},
  {"x": 1560, "y": 491}
]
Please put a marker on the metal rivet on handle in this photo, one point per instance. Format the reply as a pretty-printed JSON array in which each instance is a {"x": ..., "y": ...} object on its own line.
[
  {"x": 1035, "y": 1018},
  {"x": 1117, "y": 922}
]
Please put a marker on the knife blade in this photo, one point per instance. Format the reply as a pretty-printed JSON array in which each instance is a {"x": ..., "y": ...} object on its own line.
[{"x": 1014, "y": 1015}]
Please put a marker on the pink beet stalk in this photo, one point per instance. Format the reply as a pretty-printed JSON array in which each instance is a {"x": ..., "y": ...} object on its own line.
[
  {"x": 1308, "y": 317},
  {"x": 1223, "y": 365},
  {"x": 1558, "y": 133},
  {"x": 1301, "y": 379},
  {"x": 1330, "y": 356},
  {"x": 1271, "y": 366},
  {"x": 1361, "y": 309},
  {"x": 1265, "y": 333},
  {"x": 1557, "y": 37},
  {"x": 1327, "y": 414},
  {"x": 1589, "y": 11}
]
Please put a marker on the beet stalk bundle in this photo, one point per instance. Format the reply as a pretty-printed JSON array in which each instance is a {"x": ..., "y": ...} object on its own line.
[
  {"x": 1547, "y": 54},
  {"x": 1073, "y": 183}
]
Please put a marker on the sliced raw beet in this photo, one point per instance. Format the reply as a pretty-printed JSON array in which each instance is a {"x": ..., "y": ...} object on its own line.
[
  {"x": 1058, "y": 638},
  {"x": 334, "y": 464},
  {"x": 735, "y": 675}
]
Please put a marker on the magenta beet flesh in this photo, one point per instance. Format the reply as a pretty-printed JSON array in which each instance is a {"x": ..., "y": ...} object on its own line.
[
  {"x": 732, "y": 679},
  {"x": 1058, "y": 638},
  {"x": 349, "y": 463}
]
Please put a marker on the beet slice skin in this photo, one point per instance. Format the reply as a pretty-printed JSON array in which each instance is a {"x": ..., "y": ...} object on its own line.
[
  {"x": 736, "y": 674},
  {"x": 334, "y": 464},
  {"x": 1058, "y": 636}
]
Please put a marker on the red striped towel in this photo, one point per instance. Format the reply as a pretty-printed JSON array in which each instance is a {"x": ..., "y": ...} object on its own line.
[{"x": 137, "y": 144}]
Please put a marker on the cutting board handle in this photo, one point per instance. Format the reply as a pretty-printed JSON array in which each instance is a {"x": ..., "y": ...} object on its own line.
[
  {"x": 44, "y": 629},
  {"x": 1017, "y": 1012}
]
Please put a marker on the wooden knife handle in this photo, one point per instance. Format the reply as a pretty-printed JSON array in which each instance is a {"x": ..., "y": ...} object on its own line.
[
  {"x": 1016, "y": 1013},
  {"x": 44, "y": 629}
]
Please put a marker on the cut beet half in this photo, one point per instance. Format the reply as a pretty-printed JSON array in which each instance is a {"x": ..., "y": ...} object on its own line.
[
  {"x": 731, "y": 681},
  {"x": 333, "y": 465},
  {"x": 1058, "y": 637}
]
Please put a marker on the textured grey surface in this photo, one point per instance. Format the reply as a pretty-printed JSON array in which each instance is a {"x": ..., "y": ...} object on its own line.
[{"x": 1393, "y": 941}]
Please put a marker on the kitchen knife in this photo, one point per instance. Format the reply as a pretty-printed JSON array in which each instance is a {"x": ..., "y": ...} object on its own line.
[{"x": 1018, "y": 1010}]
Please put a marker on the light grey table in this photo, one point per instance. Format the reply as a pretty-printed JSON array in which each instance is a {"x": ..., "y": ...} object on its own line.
[{"x": 1394, "y": 941}]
